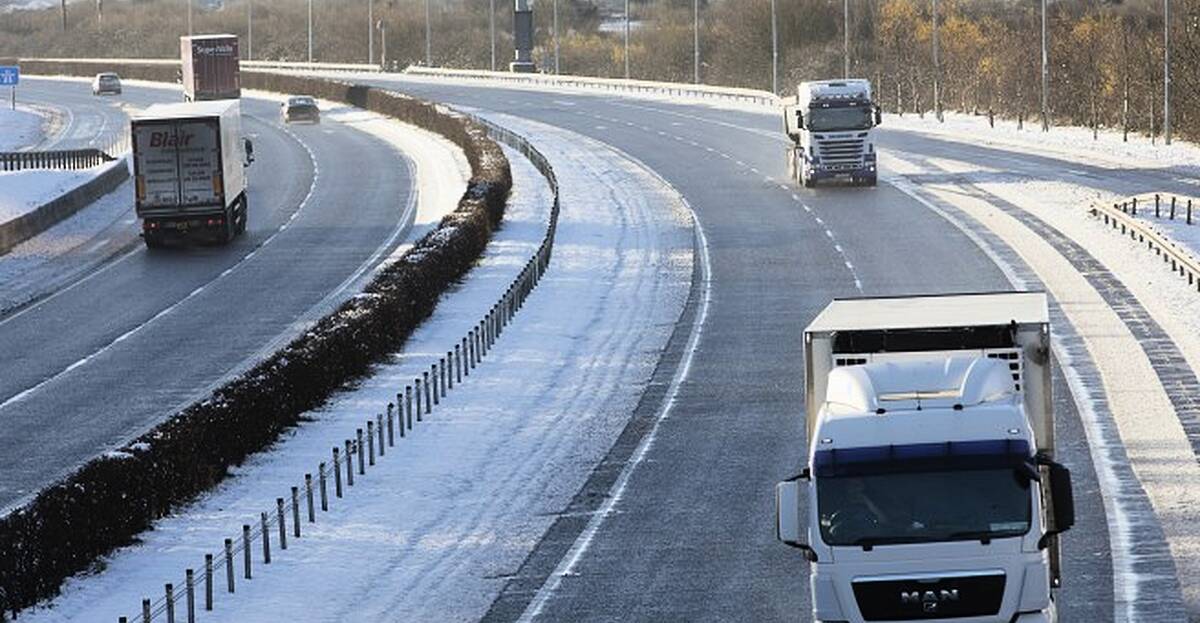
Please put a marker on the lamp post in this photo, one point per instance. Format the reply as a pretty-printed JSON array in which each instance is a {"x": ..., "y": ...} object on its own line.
[
  {"x": 1167, "y": 71},
  {"x": 774, "y": 50},
  {"x": 696, "y": 41},
  {"x": 626, "y": 39},
  {"x": 492, "y": 29},
  {"x": 1045, "y": 75},
  {"x": 556, "y": 37},
  {"x": 937, "y": 66},
  {"x": 249, "y": 30},
  {"x": 428, "y": 37},
  {"x": 370, "y": 31},
  {"x": 846, "y": 36},
  {"x": 310, "y": 32}
]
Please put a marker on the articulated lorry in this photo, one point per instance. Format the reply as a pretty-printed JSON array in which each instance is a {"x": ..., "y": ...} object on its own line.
[
  {"x": 931, "y": 489},
  {"x": 188, "y": 161},
  {"x": 209, "y": 68},
  {"x": 830, "y": 126}
]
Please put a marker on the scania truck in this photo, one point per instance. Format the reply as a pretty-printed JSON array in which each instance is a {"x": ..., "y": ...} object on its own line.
[
  {"x": 931, "y": 490},
  {"x": 189, "y": 181},
  {"x": 830, "y": 125}
]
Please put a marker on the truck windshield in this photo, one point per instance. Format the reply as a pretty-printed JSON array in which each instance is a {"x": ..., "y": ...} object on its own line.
[
  {"x": 923, "y": 506},
  {"x": 840, "y": 118}
]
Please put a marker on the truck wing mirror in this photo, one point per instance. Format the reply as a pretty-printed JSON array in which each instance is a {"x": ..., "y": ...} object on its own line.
[
  {"x": 788, "y": 527},
  {"x": 878, "y": 115},
  {"x": 248, "y": 146},
  {"x": 1063, "y": 513},
  {"x": 1064, "y": 499}
]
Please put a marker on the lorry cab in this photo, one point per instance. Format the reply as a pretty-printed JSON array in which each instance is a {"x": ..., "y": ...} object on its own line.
[
  {"x": 830, "y": 125},
  {"x": 930, "y": 489}
]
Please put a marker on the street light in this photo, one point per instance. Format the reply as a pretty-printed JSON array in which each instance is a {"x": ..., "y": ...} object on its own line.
[
  {"x": 250, "y": 30},
  {"x": 310, "y": 32},
  {"x": 937, "y": 66},
  {"x": 1167, "y": 71},
  {"x": 774, "y": 51},
  {"x": 492, "y": 29},
  {"x": 556, "y": 37},
  {"x": 382, "y": 45},
  {"x": 696, "y": 41},
  {"x": 370, "y": 31},
  {"x": 626, "y": 39},
  {"x": 846, "y": 36},
  {"x": 428, "y": 40},
  {"x": 1045, "y": 75}
]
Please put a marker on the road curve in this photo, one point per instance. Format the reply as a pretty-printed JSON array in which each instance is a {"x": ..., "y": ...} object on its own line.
[
  {"x": 106, "y": 356},
  {"x": 692, "y": 536}
]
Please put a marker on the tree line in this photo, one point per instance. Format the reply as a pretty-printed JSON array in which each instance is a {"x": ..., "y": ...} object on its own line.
[{"x": 1105, "y": 56}]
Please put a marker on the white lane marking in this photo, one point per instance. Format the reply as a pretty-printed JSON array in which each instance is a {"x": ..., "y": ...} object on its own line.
[
  {"x": 194, "y": 293},
  {"x": 96, "y": 246},
  {"x": 566, "y": 566},
  {"x": 1126, "y": 578}
]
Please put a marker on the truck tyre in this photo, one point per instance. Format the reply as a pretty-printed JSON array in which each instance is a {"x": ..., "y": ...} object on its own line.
[
  {"x": 153, "y": 241},
  {"x": 871, "y": 181},
  {"x": 809, "y": 182}
]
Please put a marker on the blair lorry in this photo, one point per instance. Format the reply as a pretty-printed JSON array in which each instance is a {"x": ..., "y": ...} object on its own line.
[
  {"x": 931, "y": 491},
  {"x": 209, "y": 68},
  {"x": 189, "y": 181},
  {"x": 830, "y": 126}
]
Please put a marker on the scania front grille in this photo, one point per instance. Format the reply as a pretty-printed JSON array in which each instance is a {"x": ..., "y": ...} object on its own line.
[{"x": 898, "y": 598}]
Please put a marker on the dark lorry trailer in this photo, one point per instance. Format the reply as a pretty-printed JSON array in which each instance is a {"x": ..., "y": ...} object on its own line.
[
  {"x": 209, "y": 68},
  {"x": 188, "y": 167}
]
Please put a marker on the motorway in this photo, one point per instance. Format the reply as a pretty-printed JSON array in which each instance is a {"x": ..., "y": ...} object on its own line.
[
  {"x": 101, "y": 358},
  {"x": 693, "y": 538}
]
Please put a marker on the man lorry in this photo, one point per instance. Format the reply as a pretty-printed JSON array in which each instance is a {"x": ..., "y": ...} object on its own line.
[
  {"x": 830, "y": 125},
  {"x": 209, "y": 68},
  {"x": 188, "y": 161},
  {"x": 931, "y": 489}
]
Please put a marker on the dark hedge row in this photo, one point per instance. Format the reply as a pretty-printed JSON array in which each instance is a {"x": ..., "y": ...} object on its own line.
[{"x": 111, "y": 499}]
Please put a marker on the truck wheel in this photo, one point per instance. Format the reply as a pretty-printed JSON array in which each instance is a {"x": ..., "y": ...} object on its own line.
[
  {"x": 152, "y": 241},
  {"x": 871, "y": 181},
  {"x": 809, "y": 182}
]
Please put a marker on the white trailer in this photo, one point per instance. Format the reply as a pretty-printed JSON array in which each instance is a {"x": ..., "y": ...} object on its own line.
[
  {"x": 188, "y": 166},
  {"x": 931, "y": 490},
  {"x": 830, "y": 125}
]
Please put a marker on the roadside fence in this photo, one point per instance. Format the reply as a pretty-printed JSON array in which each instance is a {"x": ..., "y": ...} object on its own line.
[
  {"x": 270, "y": 532},
  {"x": 1123, "y": 215},
  {"x": 66, "y": 159}
]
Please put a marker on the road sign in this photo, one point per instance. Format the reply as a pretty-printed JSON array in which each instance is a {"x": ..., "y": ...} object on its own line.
[{"x": 10, "y": 75}]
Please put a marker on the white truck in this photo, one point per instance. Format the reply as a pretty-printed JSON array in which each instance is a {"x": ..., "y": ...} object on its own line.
[
  {"x": 830, "y": 125},
  {"x": 188, "y": 162},
  {"x": 931, "y": 489}
]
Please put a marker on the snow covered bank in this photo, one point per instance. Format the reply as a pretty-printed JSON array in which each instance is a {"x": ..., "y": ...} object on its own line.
[
  {"x": 1075, "y": 143},
  {"x": 22, "y": 128},
  {"x": 457, "y": 505},
  {"x": 23, "y": 191},
  {"x": 1027, "y": 207}
]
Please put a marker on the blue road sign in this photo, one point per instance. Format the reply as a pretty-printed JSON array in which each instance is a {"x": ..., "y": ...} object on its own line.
[{"x": 10, "y": 75}]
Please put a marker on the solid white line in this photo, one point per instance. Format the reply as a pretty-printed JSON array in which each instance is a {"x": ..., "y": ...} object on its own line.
[
  {"x": 1121, "y": 545},
  {"x": 566, "y": 566},
  {"x": 194, "y": 293}
]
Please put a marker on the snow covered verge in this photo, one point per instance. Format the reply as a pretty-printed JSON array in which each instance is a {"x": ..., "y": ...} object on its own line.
[
  {"x": 1110, "y": 290},
  {"x": 452, "y": 508},
  {"x": 22, "y": 192},
  {"x": 67, "y": 526},
  {"x": 22, "y": 128},
  {"x": 1108, "y": 149}
]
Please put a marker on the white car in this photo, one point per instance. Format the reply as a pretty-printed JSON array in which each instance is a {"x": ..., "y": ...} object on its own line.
[{"x": 107, "y": 82}]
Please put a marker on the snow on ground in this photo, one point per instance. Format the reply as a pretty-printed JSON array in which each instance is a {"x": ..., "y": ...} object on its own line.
[
  {"x": 24, "y": 191},
  {"x": 433, "y": 529},
  {"x": 1075, "y": 143},
  {"x": 21, "y": 128},
  {"x": 1149, "y": 429}
]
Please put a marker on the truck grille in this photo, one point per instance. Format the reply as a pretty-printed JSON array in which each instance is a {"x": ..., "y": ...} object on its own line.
[
  {"x": 842, "y": 151},
  {"x": 906, "y": 599}
]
